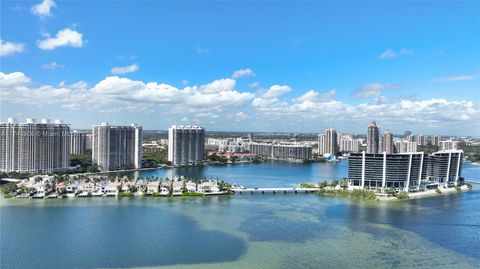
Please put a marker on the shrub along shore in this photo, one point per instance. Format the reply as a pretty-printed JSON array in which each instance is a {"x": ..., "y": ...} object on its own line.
[{"x": 340, "y": 188}]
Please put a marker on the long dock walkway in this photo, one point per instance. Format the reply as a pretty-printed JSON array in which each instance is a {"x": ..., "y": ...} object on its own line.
[{"x": 273, "y": 190}]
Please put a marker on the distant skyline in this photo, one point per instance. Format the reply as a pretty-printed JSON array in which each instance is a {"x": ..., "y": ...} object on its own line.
[{"x": 244, "y": 66}]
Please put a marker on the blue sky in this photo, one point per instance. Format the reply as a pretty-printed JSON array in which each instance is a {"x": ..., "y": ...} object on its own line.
[{"x": 303, "y": 66}]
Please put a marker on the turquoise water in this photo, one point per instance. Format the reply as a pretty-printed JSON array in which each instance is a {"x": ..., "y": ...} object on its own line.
[{"x": 247, "y": 231}]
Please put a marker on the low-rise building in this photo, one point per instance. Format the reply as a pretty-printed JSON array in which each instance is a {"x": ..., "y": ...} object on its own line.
[
  {"x": 208, "y": 187},
  {"x": 232, "y": 144},
  {"x": 152, "y": 187}
]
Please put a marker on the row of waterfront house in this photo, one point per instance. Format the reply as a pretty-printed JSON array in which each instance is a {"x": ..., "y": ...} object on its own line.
[{"x": 97, "y": 186}]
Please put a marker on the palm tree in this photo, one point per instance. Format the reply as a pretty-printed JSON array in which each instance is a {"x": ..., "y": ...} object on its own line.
[
  {"x": 47, "y": 187},
  {"x": 323, "y": 184},
  {"x": 133, "y": 189},
  {"x": 391, "y": 191},
  {"x": 184, "y": 187},
  {"x": 170, "y": 191},
  {"x": 344, "y": 183}
]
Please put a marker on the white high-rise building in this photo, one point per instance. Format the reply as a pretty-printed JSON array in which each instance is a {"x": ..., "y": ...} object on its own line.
[
  {"x": 276, "y": 150},
  {"x": 387, "y": 142},
  {"x": 322, "y": 149},
  {"x": 331, "y": 141},
  {"x": 448, "y": 145},
  {"x": 230, "y": 144},
  {"x": 404, "y": 146},
  {"x": 421, "y": 140},
  {"x": 78, "y": 142},
  {"x": 89, "y": 141},
  {"x": 436, "y": 140},
  {"x": 34, "y": 147},
  {"x": 373, "y": 138},
  {"x": 346, "y": 143},
  {"x": 328, "y": 143},
  {"x": 186, "y": 144},
  {"x": 117, "y": 147},
  {"x": 405, "y": 172}
]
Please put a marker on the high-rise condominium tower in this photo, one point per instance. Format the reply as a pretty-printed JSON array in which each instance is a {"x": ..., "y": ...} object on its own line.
[
  {"x": 322, "y": 149},
  {"x": 117, "y": 147},
  {"x": 327, "y": 142},
  {"x": 414, "y": 171},
  {"x": 403, "y": 146},
  {"x": 78, "y": 142},
  {"x": 346, "y": 143},
  {"x": 387, "y": 141},
  {"x": 373, "y": 139},
  {"x": 331, "y": 141},
  {"x": 436, "y": 140},
  {"x": 34, "y": 147},
  {"x": 186, "y": 144},
  {"x": 448, "y": 145},
  {"x": 421, "y": 140}
]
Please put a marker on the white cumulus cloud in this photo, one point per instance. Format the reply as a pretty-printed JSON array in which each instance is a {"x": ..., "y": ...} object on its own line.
[
  {"x": 10, "y": 48},
  {"x": 240, "y": 116},
  {"x": 373, "y": 89},
  {"x": 270, "y": 96},
  {"x": 390, "y": 53},
  {"x": 14, "y": 87},
  {"x": 254, "y": 84},
  {"x": 115, "y": 91},
  {"x": 405, "y": 52},
  {"x": 64, "y": 38},
  {"x": 246, "y": 72},
  {"x": 456, "y": 78},
  {"x": 314, "y": 96},
  {"x": 222, "y": 101},
  {"x": 434, "y": 114},
  {"x": 44, "y": 9},
  {"x": 125, "y": 69},
  {"x": 276, "y": 91},
  {"x": 14, "y": 79},
  {"x": 52, "y": 66}
]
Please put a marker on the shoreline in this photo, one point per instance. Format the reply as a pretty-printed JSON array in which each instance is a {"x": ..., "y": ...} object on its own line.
[
  {"x": 426, "y": 194},
  {"x": 117, "y": 171},
  {"x": 378, "y": 198}
]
